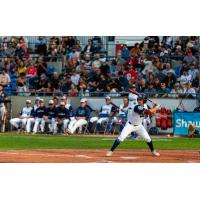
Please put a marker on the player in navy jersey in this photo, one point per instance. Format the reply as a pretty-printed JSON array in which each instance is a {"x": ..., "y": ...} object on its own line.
[
  {"x": 39, "y": 115},
  {"x": 49, "y": 118},
  {"x": 31, "y": 119},
  {"x": 62, "y": 118},
  {"x": 81, "y": 117}
]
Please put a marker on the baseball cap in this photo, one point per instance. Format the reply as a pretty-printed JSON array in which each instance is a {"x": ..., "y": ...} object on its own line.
[
  {"x": 56, "y": 97},
  {"x": 28, "y": 101},
  {"x": 41, "y": 100},
  {"x": 107, "y": 97},
  {"x": 63, "y": 97},
  {"x": 51, "y": 102},
  {"x": 37, "y": 99},
  {"x": 62, "y": 103},
  {"x": 82, "y": 100}
]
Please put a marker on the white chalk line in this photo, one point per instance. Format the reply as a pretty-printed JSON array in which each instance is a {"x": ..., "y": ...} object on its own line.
[
  {"x": 129, "y": 158},
  {"x": 46, "y": 155}
]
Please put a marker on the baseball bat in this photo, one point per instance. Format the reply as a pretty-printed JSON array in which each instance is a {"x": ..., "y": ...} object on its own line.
[
  {"x": 114, "y": 105},
  {"x": 137, "y": 93}
]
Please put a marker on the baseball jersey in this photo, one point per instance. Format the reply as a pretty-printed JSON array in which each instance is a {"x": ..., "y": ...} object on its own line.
[
  {"x": 26, "y": 112},
  {"x": 123, "y": 111},
  {"x": 106, "y": 110},
  {"x": 135, "y": 114},
  {"x": 2, "y": 98},
  {"x": 50, "y": 112},
  {"x": 62, "y": 113},
  {"x": 132, "y": 99},
  {"x": 35, "y": 107},
  {"x": 82, "y": 112},
  {"x": 69, "y": 108},
  {"x": 40, "y": 112}
]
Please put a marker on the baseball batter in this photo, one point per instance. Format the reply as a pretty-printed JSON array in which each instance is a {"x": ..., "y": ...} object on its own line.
[{"x": 134, "y": 124}]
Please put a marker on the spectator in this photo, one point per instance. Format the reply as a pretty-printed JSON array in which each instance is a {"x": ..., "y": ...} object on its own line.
[
  {"x": 135, "y": 50},
  {"x": 150, "y": 91},
  {"x": 180, "y": 68},
  {"x": 66, "y": 84},
  {"x": 21, "y": 68},
  {"x": 163, "y": 91},
  {"x": 189, "y": 58},
  {"x": 188, "y": 90},
  {"x": 41, "y": 48},
  {"x": 125, "y": 52},
  {"x": 176, "y": 91},
  {"x": 75, "y": 77},
  {"x": 22, "y": 88},
  {"x": 31, "y": 69},
  {"x": 157, "y": 84},
  {"x": 4, "y": 79},
  {"x": 185, "y": 77},
  {"x": 167, "y": 68},
  {"x": 82, "y": 85},
  {"x": 170, "y": 79},
  {"x": 192, "y": 71},
  {"x": 96, "y": 63},
  {"x": 42, "y": 84},
  {"x": 73, "y": 92},
  {"x": 41, "y": 66},
  {"x": 113, "y": 67},
  {"x": 121, "y": 81},
  {"x": 101, "y": 86},
  {"x": 89, "y": 48},
  {"x": 104, "y": 67},
  {"x": 55, "y": 82}
]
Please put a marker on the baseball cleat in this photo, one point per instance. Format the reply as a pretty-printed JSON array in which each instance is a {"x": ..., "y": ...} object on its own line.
[
  {"x": 109, "y": 153},
  {"x": 69, "y": 131},
  {"x": 155, "y": 153}
]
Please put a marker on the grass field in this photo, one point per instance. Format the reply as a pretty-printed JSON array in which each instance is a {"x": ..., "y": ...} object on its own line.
[{"x": 14, "y": 142}]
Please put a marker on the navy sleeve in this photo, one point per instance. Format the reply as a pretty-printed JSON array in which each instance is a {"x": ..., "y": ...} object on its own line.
[
  {"x": 113, "y": 109},
  {"x": 56, "y": 112},
  {"x": 87, "y": 113},
  {"x": 139, "y": 109},
  {"x": 33, "y": 112}
]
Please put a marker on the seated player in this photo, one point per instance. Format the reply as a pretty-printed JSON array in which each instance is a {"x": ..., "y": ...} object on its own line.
[
  {"x": 49, "y": 118},
  {"x": 62, "y": 116},
  {"x": 31, "y": 119},
  {"x": 20, "y": 122},
  {"x": 39, "y": 115},
  {"x": 106, "y": 112},
  {"x": 67, "y": 103},
  {"x": 81, "y": 117}
]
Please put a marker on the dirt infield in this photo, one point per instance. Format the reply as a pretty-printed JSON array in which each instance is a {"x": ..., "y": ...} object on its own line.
[{"x": 97, "y": 156}]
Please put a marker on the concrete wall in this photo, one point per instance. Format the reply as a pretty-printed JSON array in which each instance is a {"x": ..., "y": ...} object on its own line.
[{"x": 96, "y": 102}]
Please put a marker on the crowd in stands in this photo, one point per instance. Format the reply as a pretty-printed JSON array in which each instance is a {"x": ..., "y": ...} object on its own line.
[{"x": 88, "y": 71}]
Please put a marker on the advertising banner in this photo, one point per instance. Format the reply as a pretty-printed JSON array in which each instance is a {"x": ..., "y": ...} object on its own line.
[{"x": 182, "y": 121}]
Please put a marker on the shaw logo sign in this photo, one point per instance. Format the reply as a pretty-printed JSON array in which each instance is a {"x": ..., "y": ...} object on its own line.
[{"x": 182, "y": 121}]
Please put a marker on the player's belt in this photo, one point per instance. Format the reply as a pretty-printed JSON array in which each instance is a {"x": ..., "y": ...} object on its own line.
[{"x": 132, "y": 124}]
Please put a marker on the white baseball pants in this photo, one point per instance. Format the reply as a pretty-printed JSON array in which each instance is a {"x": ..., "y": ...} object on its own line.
[
  {"x": 129, "y": 128},
  {"x": 16, "y": 122},
  {"x": 29, "y": 124},
  {"x": 99, "y": 120},
  {"x": 39, "y": 122},
  {"x": 74, "y": 124}
]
